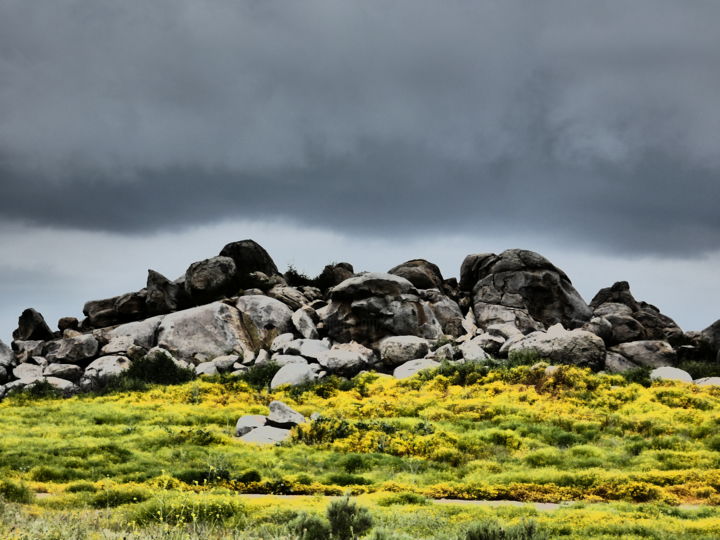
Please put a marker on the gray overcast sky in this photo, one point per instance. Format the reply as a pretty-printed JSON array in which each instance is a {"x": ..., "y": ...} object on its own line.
[{"x": 144, "y": 134}]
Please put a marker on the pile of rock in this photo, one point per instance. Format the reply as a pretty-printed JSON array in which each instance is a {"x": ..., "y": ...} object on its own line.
[
  {"x": 234, "y": 311},
  {"x": 271, "y": 429}
]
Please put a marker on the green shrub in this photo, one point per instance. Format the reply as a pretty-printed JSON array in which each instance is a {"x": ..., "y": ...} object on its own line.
[
  {"x": 16, "y": 492},
  {"x": 175, "y": 510},
  {"x": 464, "y": 374},
  {"x": 353, "y": 463},
  {"x": 493, "y": 530},
  {"x": 260, "y": 376},
  {"x": 158, "y": 369},
  {"x": 249, "y": 476},
  {"x": 346, "y": 479},
  {"x": 347, "y": 519},
  {"x": 110, "y": 498},
  {"x": 81, "y": 487},
  {"x": 310, "y": 527},
  {"x": 403, "y": 498},
  {"x": 699, "y": 370},
  {"x": 639, "y": 375}
]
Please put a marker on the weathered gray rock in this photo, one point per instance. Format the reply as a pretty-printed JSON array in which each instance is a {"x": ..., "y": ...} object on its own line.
[
  {"x": 115, "y": 310},
  {"x": 527, "y": 286},
  {"x": 226, "y": 362},
  {"x": 711, "y": 335},
  {"x": 309, "y": 348},
  {"x": 117, "y": 345},
  {"x": 106, "y": 367},
  {"x": 601, "y": 327},
  {"x": 370, "y": 319},
  {"x": 446, "y": 311},
  {"x": 286, "y": 359},
  {"x": 472, "y": 351},
  {"x": 446, "y": 352},
  {"x": 421, "y": 273},
  {"x": 249, "y": 256},
  {"x": 267, "y": 317},
  {"x": 617, "y": 363},
  {"x": 289, "y": 296},
  {"x": 74, "y": 350},
  {"x": 212, "y": 330},
  {"x": 412, "y": 367},
  {"x": 24, "y": 350},
  {"x": 211, "y": 279},
  {"x": 561, "y": 346},
  {"x": 334, "y": 274},
  {"x": 266, "y": 435},
  {"x": 366, "y": 353},
  {"x": 164, "y": 296},
  {"x": 68, "y": 323},
  {"x": 371, "y": 284},
  {"x": 304, "y": 320},
  {"x": 396, "y": 350},
  {"x": 71, "y": 372},
  {"x": 278, "y": 344},
  {"x": 708, "y": 381},
  {"x": 32, "y": 326},
  {"x": 7, "y": 357},
  {"x": 648, "y": 353},
  {"x": 143, "y": 333},
  {"x": 131, "y": 306},
  {"x": 489, "y": 343},
  {"x": 261, "y": 357},
  {"x": 206, "y": 368},
  {"x": 343, "y": 362},
  {"x": 28, "y": 372},
  {"x": 294, "y": 373},
  {"x": 282, "y": 415},
  {"x": 667, "y": 373},
  {"x": 247, "y": 423},
  {"x": 64, "y": 386}
]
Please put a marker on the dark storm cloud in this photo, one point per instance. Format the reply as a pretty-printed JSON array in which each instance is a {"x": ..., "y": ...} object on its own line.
[{"x": 594, "y": 122}]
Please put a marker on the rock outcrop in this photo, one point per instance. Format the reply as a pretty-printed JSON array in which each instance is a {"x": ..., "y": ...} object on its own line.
[{"x": 342, "y": 323}]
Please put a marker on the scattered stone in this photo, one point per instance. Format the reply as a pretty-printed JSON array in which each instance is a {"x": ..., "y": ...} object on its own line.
[
  {"x": 62, "y": 385},
  {"x": 294, "y": 373},
  {"x": 118, "y": 345},
  {"x": 283, "y": 416},
  {"x": 206, "y": 368},
  {"x": 105, "y": 367},
  {"x": 71, "y": 372},
  {"x": 648, "y": 353},
  {"x": 667, "y": 373},
  {"x": 268, "y": 317},
  {"x": 247, "y": 423},
  {"x": 562, "y": 346},
  {"x": 285, "y": 359},
  {"x": 617, "y": 363},
  {"x": 226, "y": 362},
  {"x": 266, "y": 435},
  {"x": 28, "y": 372},
  {"x": 289, "y": 296},
  {"x": 74, "y": 350},
  {"x": 408, "y": 369},
  {"x": 472, "y": 351},
  {"x": 396, "y": 350},
  {"x": 343, "y": 362}
]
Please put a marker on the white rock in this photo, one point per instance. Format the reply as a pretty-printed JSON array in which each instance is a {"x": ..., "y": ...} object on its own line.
[
  {"x": 279, "y": 342},
  {"x": 576, "y": 347},
  {"x": 225, "y": 363},
  {"x": 343, "y": 362},
  {"x": 106, "y": 366},
  {"x": 667, "y": 373},
  {"x": 472, "y": 351},
  {"x": 708, "y": 381},
  {"x": 302, "y": 319},
  {"x": 247, "y": 423},
  {"x": 28, "y": 372},
  {"x": 62, "y": 385},
  {"x": 118, "y": 345},
  {"x": 408, "y": 369},
  {"x": 282, "y": 414},
  {"x": 211, "y": 330},
  {"x": 266, "y": 435},
  {"x": 285, "y": 359},
  {"x": 294, "y": 374},
  {"x": 70, "y": 372},
  {"x": 142, "y": 332},
  {"x": 206, "y": 368}
]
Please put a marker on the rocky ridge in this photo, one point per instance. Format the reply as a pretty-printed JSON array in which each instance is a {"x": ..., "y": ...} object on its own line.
[{"x": 231, "y": 312}]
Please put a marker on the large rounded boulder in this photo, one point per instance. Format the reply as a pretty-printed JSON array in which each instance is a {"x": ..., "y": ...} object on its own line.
[
  {"x": 421, "y": 273},
  {"x": 249, "y": 256},
  {"x": 522, "y": 288}
]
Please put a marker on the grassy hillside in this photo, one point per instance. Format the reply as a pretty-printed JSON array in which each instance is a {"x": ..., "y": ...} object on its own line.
[{"x": 163, "y": 461}]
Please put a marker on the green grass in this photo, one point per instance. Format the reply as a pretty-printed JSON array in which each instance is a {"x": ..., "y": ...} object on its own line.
[{"x": 130, "y": 463}]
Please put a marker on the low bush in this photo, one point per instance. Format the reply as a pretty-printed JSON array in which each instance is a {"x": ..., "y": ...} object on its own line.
[
  {"x": 406, "y": 497},
  {"x": 158, "y": 369},
  {"x": 310, "y": 527},
  {"x": 188, "y": 508},
  {"x": 347, "y": 519},
  {"x": 14, "y": 491},
  {"x": 260, "y": 376},
  {"x": 116, "y": 496},
  {"x": 493, "y": 530}
]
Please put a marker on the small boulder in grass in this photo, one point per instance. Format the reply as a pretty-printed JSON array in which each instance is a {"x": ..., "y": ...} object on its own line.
[
  {"x": 667, "y": 373},
  {"x": 283, "y": 416},
  {"x": 247, "y": 423}
]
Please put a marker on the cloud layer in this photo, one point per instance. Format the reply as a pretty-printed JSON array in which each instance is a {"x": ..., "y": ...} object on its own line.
[{"x": 595, "y": 123}]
